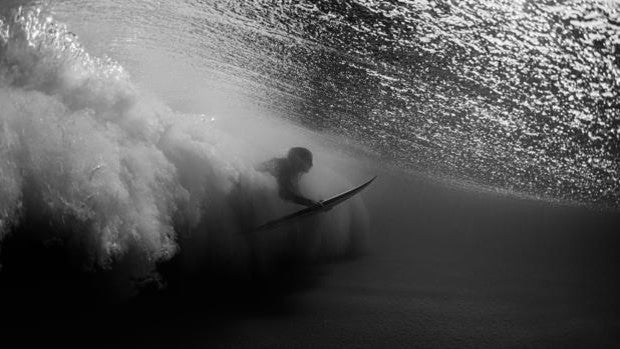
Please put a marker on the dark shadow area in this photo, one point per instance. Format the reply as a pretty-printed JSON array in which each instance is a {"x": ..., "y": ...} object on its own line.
[
  {"x": 446, "y": 268},
  {"x": 50, "y": 295}
]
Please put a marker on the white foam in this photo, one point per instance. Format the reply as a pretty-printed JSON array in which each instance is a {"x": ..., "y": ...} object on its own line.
[{"x": 121, "y": 174}]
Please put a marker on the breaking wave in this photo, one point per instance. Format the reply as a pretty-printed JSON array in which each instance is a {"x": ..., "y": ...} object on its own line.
[{"x": 90, "y": 162}]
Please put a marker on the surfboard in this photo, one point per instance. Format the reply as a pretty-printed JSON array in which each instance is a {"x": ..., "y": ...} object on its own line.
[{"x": 315, "y": 209}]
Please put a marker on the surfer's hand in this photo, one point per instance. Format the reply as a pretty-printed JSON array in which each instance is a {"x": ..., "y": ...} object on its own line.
[{"x": 321, "y": 204}]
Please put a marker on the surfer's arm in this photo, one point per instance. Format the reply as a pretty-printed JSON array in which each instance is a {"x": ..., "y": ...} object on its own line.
[
  {"x": 289, "y": 195},
  {"x": 304, "y": 201}
]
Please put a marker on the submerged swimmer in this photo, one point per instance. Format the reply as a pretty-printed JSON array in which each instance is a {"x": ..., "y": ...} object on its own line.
[{"x": 288, "y": 171}]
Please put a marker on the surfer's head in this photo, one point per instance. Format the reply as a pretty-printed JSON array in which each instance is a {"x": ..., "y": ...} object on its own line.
[{"x": 301, "y": 158}]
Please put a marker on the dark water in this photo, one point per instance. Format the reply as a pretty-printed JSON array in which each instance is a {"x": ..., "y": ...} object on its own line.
[{"x": 462, "y": 271}]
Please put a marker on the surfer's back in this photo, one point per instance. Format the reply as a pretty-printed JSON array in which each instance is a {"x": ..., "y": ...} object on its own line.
[{"x": 284, "y": 173}]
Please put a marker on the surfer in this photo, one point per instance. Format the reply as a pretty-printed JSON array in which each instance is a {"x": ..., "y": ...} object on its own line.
[{"x": 288, "y": 171}]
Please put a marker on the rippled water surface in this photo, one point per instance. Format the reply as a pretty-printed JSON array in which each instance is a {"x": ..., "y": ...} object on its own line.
[{"x": 515, "y": 95}]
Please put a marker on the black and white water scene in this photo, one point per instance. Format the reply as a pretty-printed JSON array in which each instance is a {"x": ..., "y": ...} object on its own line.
[{"x": 310, "y": 173}]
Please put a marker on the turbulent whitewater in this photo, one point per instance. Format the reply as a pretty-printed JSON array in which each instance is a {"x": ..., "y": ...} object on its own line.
[{"x": 92, "y": 163}]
